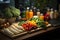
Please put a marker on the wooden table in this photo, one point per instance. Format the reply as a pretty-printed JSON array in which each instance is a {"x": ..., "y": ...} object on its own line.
[{"x": 28, "y": 35}]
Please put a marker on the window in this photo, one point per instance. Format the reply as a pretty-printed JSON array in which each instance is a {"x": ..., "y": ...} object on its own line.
[{"x": 4, "y": 1}]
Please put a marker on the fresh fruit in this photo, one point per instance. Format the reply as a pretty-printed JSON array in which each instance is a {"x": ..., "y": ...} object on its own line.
[{"x": 32, "y": 23}]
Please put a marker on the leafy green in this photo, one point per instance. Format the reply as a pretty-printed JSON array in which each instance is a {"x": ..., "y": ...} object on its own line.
[
  {"x": 39, "y": 22},
  {"x": 8, "y": 13},
  {"x": 15, "y": 11},
  {"x": 11, "y": 12},
  {"x": 21, "y": 22}
]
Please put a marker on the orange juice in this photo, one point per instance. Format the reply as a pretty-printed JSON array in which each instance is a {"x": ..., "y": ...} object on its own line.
[
  {"x": 27, "y": 13},
  {"x": 30, "y": 14},
  {"x": 41, "y": 17}
]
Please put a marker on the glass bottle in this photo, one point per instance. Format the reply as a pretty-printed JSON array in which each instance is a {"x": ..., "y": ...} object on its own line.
[
  {"x": 34, "y": 10},
  {"x": 27, "y": 13},
  {"x": 38, "y": 13},
  {"x": 51, "y": 13},
  {"x": 55, "y": 14},
  {"x": 47, "y": 15},
  {"x": 41, "y": 16},
  {"x": 30, "y": 14},
  {"x": 48, "y": 11}
]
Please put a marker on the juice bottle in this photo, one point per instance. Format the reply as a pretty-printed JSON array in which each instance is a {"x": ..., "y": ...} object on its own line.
[
  {"x": 47, "y": 15},
  {"x": 27, "y": 13},
  {"x": 48, "y": 11},
  {"x": 55, "y": 14},
  {"x": 30, "y": 13},
  {"x": 34, "y": 10},
  {"x": 38, "y": 13},
  {"x": 51, "y": 13},
  {"x": 41, "y": 16}
]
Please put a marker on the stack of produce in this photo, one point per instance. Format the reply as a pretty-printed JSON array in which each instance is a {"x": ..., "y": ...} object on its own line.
[
  {"x": 23, "y": 26},
  {"x": 33, "y": 23},
  {"x": 40, "y": 23},
  {"x": 14, "y": 29},
  {"x": 29, "y": 25}
]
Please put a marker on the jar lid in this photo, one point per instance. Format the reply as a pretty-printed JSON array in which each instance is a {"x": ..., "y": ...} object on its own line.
[{"x": 51, "y": 9}]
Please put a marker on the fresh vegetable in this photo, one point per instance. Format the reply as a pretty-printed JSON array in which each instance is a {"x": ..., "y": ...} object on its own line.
[
  {"x": 15, "y": 11},
  {"x": 7, "y": 13},
  {"x": 18, "y": 26},
  {"x": 21, "y": 22},
  {"x": 40, "y": 23},
  {"x": 29, "y": 26},
  {"x": 11, "y": 12},
  {"x": 13, "y": 30},
  {"x": 19, "y": 30},
  {"x": 43, "y": 26},
  {"x": 8, "y": 32},
  {"x": 32, "y": 23}
]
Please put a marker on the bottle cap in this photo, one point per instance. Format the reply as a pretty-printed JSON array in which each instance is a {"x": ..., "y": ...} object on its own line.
[
  {"x": 48, "y": 9},
  {"x": 41, "y": 14},
  {"x": 27, "y": 7},
  {"x": 55, "y": 10},
  {"x": 38, "y": 9},
  {"x": 38, "y": 13},
  {"x": 51, "y": 9},
  {"x": 30, "y": 9},
  {"x": 34, "y": 8}
]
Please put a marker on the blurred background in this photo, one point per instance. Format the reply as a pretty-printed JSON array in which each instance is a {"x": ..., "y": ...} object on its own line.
[{"x": 42, "y": 5}]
